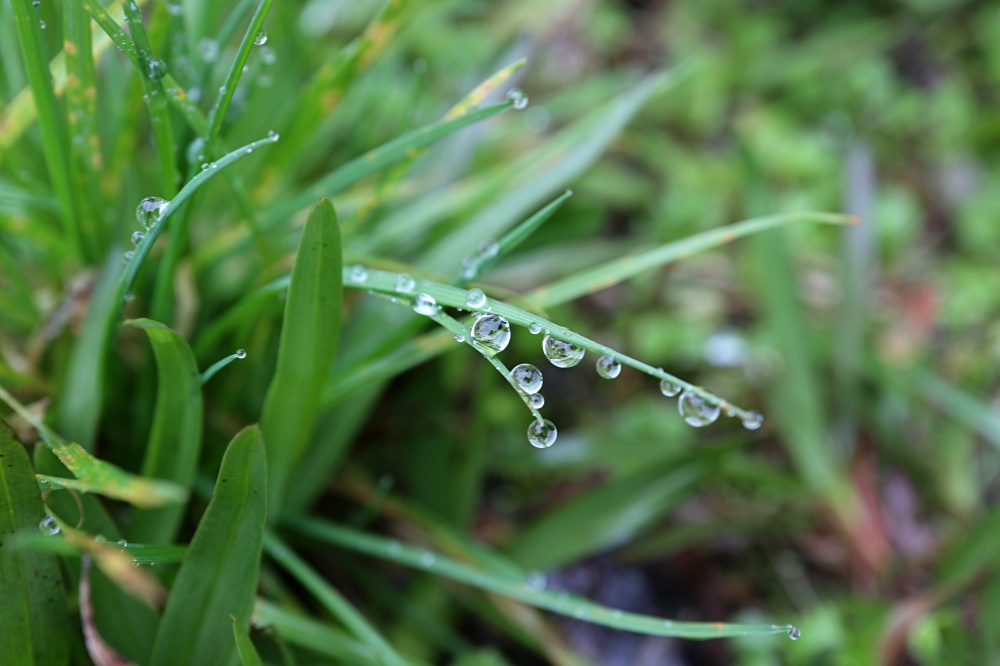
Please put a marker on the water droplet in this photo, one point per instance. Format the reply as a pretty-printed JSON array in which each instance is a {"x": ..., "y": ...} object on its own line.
[
  {"x": 794, "y": 633},
  {"x": 535, "y": 581},
  {"x": 459, "y": 337},
  {"x": 608, "y": 367},
  {"x": 156, "y": 68},
  {"x": 137, "y": 237},
  {"x": 208, "y": 49},
  {"x": 223, "y": 90},
  {"x": 527, "y": 377},
  {"x": 542, "y": 434},
  {"x": 174, "y": 8},
  {"x": 488, "y": 249},
  {"x": 147, "y": 213},
  {"x": 424, "y": 304},
  {"x": 537, "y": 401},
  {"x": 261, "y": 38},
  {"x": 127, "y": 257},
  {"x": 249, "y": 150},
  {"x": 560, "y": 353},
  {"x": 129, "y": 297},
  {"x": 428, "y": 559},
  {"x": 196, "y": 150},
  {"x": 668, "y": 388},
  {"x": 272, "y": 135},
  {"x": 753, "y": 420},
  {"x": 534, "y": 328},
  {"x": 49, "y": 526},
  {"x": 697, "y": 411},
  {"x": 517, "y": 98},
  {"x": 36, "y": 3},
  {"x": 492, "y": 331},
  {"x": 194, "y": 94},
  {"x": 405, "y": 284},
  {"x": 42, "y": 24},
  {"x": 267, "y": 55},
  {"x": 123, "y": 543},
  {"x": 470, "y": 266},
  {"x": 241, "y": 353},
  {"x": 359, "y": 274},
  {"x": 475, "y": 298}
]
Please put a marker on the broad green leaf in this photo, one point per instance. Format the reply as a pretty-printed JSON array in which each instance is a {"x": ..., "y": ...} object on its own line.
[
  {"x": 175, "y": 436},
  {"x": 244, "y": 646},
  {"x": 33, "y": 603},
  {"x": 218, "y": 576},
  {"x": 309, "y": 334}
]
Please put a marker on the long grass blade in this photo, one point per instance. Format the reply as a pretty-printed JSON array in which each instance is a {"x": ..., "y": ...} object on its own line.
[
  {"x": 306, "y": 632},
  {"x": 244, "y": 646}
]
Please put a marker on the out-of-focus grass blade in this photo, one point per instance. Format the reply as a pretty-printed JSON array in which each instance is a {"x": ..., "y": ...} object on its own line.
[
  {"x": 972, "y": 412},
  {"x": 316, "y": 636},
  {"x": 613, "y": 272},
  {"x": 214, "y": 330},
  {"x": 332, "y": 600},
  {"x": 32, "y": 604},
  {"x": 526, "y": 590},
  {"x": 175, "y": 436},
  {"x": 218, "y": 577},
  {"x": 309, "y": 334},
  {"x": 979, "y": 546},
  {"x": 244, "y": 646}
]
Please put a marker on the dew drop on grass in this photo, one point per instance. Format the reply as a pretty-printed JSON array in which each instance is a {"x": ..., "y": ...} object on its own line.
[
  {"x": 268, "y": 56},
  {"x": 127, "y": 257},
  {"x": 358, "y": 274},
  {"x": 156, "y": 68},
  {"x": 536, "y": 400},
  {"x": 534, "y": 328},
  {"x": 527, "y": 377},
  {"x": 753, "y": 420},
  {"x": 49, "y": 526},
  {"x": 42, "y": 24},
  {"x": 123, "y": 543},
  {"x": 208, "y": 49},
  {"x": 405, "y": 284},
  {"x": 241, "y": 353},
  {"x": 475, "y": 298},
  {"x": 147, "y": 213},
  {"x": 492, "y": 331},
  {"x": 428, "y": 559},
  {"x": 560, "y": 353},
  {"x": 696, "y": 411},
  {"x": 542, "y": 434},
  {"x": 668, "y": 388},
  {"x": 794, "y": 633},
  {"x": 36, "y": 3},
  {"x": 424, "y": 304},
  {"x": 488, "y": 249},
  {"x": 260, "y": 38},
  {"x": 272, "y": 135},
  {"x": 535, "y": 581},
  {"x": 517, "y": 98},
  {"x": 459, "y": 337},
  {"x": 137, "y": 237},
  {"x": 608, "y": 367}
]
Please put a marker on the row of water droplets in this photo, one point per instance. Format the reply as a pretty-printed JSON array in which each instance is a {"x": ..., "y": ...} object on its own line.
[{"x": 147, "y": 214}]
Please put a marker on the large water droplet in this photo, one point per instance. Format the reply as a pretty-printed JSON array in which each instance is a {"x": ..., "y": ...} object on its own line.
[
  {"x": 405, "y": 284},
  {"x": 147, "y": 213},
  {"x": 475, "y": 298},
  {"x": 492, "y": 331},
  {"x": 358, "y": 274},
  {"x": 560, "y": 353},
  {"x": 260, "y": 38},
  {"x": 241, "y": 353},
  {"x": 424, "y": 304},
  {"x": 517, "y": 98},
  {"x": 49, "y": 526},
  {"x": 542, "y": 434},
  {"x": 696, "y": 411},
  {"x": 537, "y": 400},
  {"x": 668, "y": 388},
  {"x": 608, "y": 367},
  {"x": 527, "y": 377},
  {"x": 156, "y": 68},
  {"x": 753, "y": 420}
]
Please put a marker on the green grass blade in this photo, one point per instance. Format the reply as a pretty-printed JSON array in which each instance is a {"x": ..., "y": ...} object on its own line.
[
  {"x": 174, "y": 445},
  {"x": 316, "y": 636},
  {"x": 218, "y": 577},
  {"x": 332, "y": 600},
  {"x": 244, "y": 646},
  {"x": 525, "y": 590},
  {"x": 309, "y": 334},
  {"x": 32, "y": 605}
]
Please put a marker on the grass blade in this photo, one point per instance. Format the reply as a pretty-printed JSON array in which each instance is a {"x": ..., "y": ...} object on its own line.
[
  {"x": 244, "y": 646},
  {"x": 309, "y": 333},
  {"x": 316, "y": 636},
  {"x": 32, "y": 606},
  {"x": 218, "y": 578},
  {"x": 175, "y": 436}
]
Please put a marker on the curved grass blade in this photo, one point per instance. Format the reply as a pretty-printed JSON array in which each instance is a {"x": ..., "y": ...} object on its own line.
[
  {"x": 32, "y": 605},
  {"x": 525, "y": 590},
  {"x": 309, "y": 334},
  {"x": 316, "y": 636},
  {"x": 175, "y": 436},
  {"x": 218, "y": 576},
  {"x": 244, "y": 646}
]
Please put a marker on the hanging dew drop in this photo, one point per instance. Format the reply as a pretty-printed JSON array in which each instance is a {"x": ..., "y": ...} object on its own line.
[
  {"x": 527, "y": 377},
  {"x": 147, "y": 213},
  {"x": 794, "y": 633},
  {"x": 668, "y": 388},
  {"x": 536, "y": 400},
  {"x": 123, "y": 543},
  {"x": 137, "y": 237},
  {"x": 241, "y": 353},
  {"x": 459, "y": 337},
  {"x": 424, "y": 304},
  {"x": 156, "y": 69},
  {"x": 492, "y": 331},
  {"x": 260, "y": 38},
  {"x": 753, "y": 420},
  {"x": 517, "y": 98},
  {"x": 127, "y": 257},
  {"x": 542, "y": 434},
  {"x": 534, "y": 328},
  {"x": 696, "y": 411},
  {"x": 358, "y": 274},
  {"x": 405, "y": 284},
  {"x": 608, "y": 367},
  {"x": 560, "y": 353},
  {"x": 272, "y": 135},
  {"x": 488, "y": 250},
  {"x": 475, "y": 298},
  {"x": 49, "y": 526}
]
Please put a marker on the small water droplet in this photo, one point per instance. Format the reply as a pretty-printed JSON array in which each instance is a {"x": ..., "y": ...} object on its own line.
[
  {"x": 241, "y": 353},
  {"x": 148, "y": 212},
  {"x": 127, "y": 257},
  {"x": 560, "y": 353},
  {"x": 696, "y": 411},
  {"x": 267, "y": 55},
  {"x": 753, "y": 420},
  {"x": 272, "y": 135},
  {"x": 542, "y": 434},
  {"x": 534, "y": 328},
  {"x": 156, "y": 68},
  {"x": 536, "y": 400},
  {"x": 535, "y": 581},
  {"x": 668, "y": 388},
  {"x": 428, "y": 559},
  {"x": 208, "y": 49},
  {"x": 517, "y": 98},
  {"x": 123, "y": 543},
  {"x": 260, "y": 38},
  {"x": 223, "y": 90},
  {"x": 527, "y": 377},
  {"x": 249, "y": 150},
  {"x": 470, "y": 266},
  {"x": 42, "y": 24},
  {"x": 794, "y": 633},
  {"x": 488, "y": 249},
  {"x": 36, "y": 3},
  {"x": 137, "y": 237},
  {"x": 608, "y": 367},
  {"x": 405, "y": 284},
  {"x": 129, "y": 297},
  {"x": 49, "y": 526},
  {"x": 358, "y": 274},
  {"x": 424, "y": 304},
  {"x": 492, "y": 331},
  {"x": 174, "y": 8},
  {"x": 475, "y": 298},
  {"x": 459, "y": 337}
]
